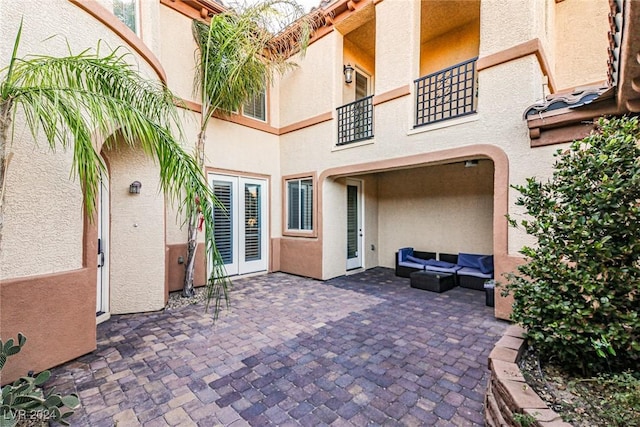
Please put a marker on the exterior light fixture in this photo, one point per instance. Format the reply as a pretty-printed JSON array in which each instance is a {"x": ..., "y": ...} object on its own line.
[
  {"x": 135, "y": 187},
  {"x": 348, "y": 70}
]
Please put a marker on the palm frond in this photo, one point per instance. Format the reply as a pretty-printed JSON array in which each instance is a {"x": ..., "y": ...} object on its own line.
[
  {"x": 72, "y": 99},
  {"x": 238, "y": 55}
]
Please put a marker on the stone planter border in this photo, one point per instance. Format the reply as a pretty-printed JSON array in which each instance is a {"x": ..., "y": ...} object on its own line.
[{"x": 507, "y": 391}]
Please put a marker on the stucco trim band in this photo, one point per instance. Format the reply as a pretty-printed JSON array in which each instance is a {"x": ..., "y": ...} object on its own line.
[
  {"x": 391, "y": 95},
  {"x": 192, "y": 11},
  {"x": 531, "y": 47},
  {"x": 306, "y": 123},
  {"x": 103, "y": 15},
  {"x": 256, "y": 124}
]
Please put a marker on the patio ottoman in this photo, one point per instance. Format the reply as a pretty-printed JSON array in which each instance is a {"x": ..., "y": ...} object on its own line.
[{"x": 432, "y": 281}]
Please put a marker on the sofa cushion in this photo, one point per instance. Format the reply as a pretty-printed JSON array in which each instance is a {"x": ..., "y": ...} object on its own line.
[
  {"x": 471, "y": 271},
  {"x": 468, "y": 260},
  {"x": 486, "y": 264},
  {"x": 441, "y": 264},
  {"x": 410, "y": 264},
  {"x": 450, "y": 270},
  {"x": 403, "y": 253},
  {"x": 417, "y": 260}
]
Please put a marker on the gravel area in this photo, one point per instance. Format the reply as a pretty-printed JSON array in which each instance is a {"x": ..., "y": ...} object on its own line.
[{"x": 176, "y": 300}]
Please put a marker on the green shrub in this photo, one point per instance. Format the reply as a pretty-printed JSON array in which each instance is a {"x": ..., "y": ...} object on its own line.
[
  {"x": 578, "y": 295},
  {"x": 24, "y": 402}
]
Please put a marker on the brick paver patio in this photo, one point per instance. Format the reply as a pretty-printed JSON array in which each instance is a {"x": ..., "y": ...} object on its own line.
[{"x": 359, "y": 350}]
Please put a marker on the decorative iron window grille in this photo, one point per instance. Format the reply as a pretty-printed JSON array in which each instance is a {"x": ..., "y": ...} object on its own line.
[
  {"x": 447, "y": 93},
  {"x": 355, "y": 121}
]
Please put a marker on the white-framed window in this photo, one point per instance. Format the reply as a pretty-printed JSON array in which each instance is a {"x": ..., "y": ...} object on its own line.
[
  {"x": 128, "y": 11},
  {"x": 256, "y": 108},
  {"x": 300, "y": 204}
]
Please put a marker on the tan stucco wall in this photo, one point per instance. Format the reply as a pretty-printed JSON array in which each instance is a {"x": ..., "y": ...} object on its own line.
[
  {"x": 137, "y": 255},
  {"x": 42, "y": 233},
  {"x": 247, "y": 152},
  {"x": 449, "y": 49},
  {"x": 178, "y": 50},
  {"x": 43, "y": 207},
  {"x": 581, "y": 48},
  {"x": 397, "y": 43},
  {"x": 315, "y": 83},
  {"x": 506, "y": 23},
  {"x": 371, "y": 220}
]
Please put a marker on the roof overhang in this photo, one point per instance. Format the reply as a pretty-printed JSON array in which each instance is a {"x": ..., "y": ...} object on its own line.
[{"x": 565, "y": 117}]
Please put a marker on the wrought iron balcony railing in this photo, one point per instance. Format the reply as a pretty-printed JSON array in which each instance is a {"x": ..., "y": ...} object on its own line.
[
  {"x": 446, "y": 94},
  {"x": 355, "y": 121}
]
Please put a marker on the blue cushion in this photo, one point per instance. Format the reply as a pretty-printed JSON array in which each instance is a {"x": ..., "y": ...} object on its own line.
[
  {"x": 441, "y": 264},
  {"x": 451, "y": 270},
  {"x": 469, "y": 260},
  {"x": 474, "y": 272},
  {"x": 417, "y": 260},
  {"x": 486, "y": 264},
  {"x": 403, "y": 252}
]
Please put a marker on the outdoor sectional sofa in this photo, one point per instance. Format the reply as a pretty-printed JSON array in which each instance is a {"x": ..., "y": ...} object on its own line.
[{"x": 469, "y": 270}]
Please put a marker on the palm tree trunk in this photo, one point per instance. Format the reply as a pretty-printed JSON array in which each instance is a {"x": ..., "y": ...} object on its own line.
[
  {"x": 5, "y": 122},
  {"x": 192, "y": 233}
]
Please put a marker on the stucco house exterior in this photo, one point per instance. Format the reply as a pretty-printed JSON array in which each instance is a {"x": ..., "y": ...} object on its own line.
[{"x": 450, "y": 102}]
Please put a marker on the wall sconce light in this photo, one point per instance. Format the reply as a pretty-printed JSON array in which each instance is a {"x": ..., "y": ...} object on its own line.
[
  {"x": 470, "y": 163},
  {"x": 135, "y": 187},
  {"x": 348, "y": 70}
]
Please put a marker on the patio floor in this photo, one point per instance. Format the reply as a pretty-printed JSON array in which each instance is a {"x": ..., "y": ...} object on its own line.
[{"x": 364, "y": 349}]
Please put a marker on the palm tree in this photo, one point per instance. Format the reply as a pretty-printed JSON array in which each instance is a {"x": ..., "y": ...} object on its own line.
[
  {"x": 240, "y": 51},
  {"x": 68, "y": 98}
]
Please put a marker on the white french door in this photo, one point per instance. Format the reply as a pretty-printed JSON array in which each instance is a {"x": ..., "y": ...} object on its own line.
[
  {"x": 102, "y": 284},
  {"x": 240, "y": 229},
  {"x": 354, "y": 224}
]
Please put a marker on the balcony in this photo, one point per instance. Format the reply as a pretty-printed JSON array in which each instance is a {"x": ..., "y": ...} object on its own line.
[
  {"x": 355, "y": 121},
  {"x": 446, "y": 94}
]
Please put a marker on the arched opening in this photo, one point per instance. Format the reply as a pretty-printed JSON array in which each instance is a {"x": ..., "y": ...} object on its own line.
[{"x": 135, "y": 241}]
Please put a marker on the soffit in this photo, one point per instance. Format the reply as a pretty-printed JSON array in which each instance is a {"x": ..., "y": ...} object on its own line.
[
  {"x": 364, "y": 37},
  {"x": 440, "y": 17}
]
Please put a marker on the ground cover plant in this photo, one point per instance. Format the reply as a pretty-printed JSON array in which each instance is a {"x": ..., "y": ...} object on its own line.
[
  {"x": 24, "y": 402},
  {"x": 578, "y": 293}
]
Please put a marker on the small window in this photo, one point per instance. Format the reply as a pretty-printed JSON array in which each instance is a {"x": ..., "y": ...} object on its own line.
[
  {"x": 127, "y": 12},
  {"x": 256, "y": 107},
  {"x": 300, "y": 204},
  {"x": 362, "y": 85}
]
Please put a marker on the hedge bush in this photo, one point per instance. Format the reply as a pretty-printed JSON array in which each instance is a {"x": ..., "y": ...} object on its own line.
[{"x": 578, "y": 295}]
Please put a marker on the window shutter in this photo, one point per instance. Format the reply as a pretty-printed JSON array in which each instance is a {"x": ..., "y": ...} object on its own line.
[
  {"x": 256, "y": 107},
  {"x": 252, "y": 239},
  {"x": 222, "y": 220},
  {"x": 352, "y": 221}
]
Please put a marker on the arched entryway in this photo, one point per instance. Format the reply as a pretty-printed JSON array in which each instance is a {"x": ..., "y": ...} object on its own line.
[
  {"x": 482, "y": 188},
  {"x": 133, "y": 231}
]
